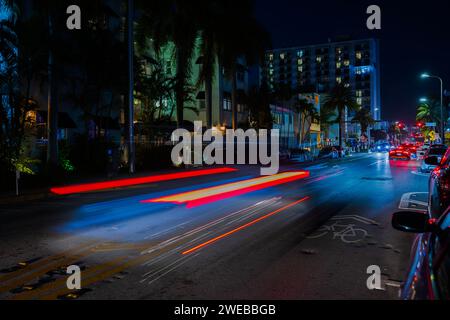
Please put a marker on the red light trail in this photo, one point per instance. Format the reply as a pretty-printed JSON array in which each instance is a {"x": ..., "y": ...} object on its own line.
[
  {"x": 249, "y": 224},
  {"x": 204, "y": 196},
  {"x": 81, "y": 188}
]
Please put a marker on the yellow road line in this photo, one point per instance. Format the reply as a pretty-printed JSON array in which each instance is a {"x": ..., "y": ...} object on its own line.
[{"x": 42, "y": 262}]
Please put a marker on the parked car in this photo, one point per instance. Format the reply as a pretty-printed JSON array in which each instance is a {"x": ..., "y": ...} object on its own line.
[
  {"x": 428, "y": 277},
  {"x": 399, "y": 153},
  {"x": 439, "y": 184},
  {"x": 422, "y": 150},
  {"x": 434, "y": 151}
]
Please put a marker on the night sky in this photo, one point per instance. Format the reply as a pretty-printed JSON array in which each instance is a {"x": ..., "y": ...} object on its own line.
[{"x": 415, "y": 37}]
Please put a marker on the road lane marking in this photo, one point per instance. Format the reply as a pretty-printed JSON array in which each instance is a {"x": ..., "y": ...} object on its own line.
[
  {"x": 42, "y": 262},
  {"x": 422, "y": 174},
  {"x": 406, "y": 202},
  {"x": 357, "y": 218},
  {"x": 65, "y": 260}
]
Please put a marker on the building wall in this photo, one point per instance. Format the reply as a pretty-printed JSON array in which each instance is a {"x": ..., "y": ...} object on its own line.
[
  {"x": 320, "y": 67},
  {"x": 221, "y": 90},
  {"x": 284, "y": 121}
]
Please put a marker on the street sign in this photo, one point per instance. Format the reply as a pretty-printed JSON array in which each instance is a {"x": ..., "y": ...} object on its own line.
[
  {"x": 432, "y": 135},
  {"x": 431, "y": 124}
]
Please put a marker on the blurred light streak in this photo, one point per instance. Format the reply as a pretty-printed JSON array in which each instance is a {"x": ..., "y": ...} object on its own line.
[
  {"x": 205, "y": 196},
  {"x": 80, "y": 188},
  {"x": 229, "y": 233}
]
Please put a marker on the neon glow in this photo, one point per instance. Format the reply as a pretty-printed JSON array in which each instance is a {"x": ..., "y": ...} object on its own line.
[
  {"x": 204, "y": 196},
  {"x": 136, "y": 181},
  {"x": 229, "y": 233}
]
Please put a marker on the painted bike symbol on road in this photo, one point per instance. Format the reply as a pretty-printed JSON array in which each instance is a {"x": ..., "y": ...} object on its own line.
[{"x": 346, "y": 232}]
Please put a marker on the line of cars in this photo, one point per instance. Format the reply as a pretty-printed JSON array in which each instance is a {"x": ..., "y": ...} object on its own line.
[
  {"x": 429, "y": 272},
  {"x": 406, "y": 151},
  {"x": 429, "y": 154}
]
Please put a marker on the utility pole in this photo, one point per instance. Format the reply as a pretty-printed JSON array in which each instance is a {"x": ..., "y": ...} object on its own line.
[{"x": 131, "y": 145}]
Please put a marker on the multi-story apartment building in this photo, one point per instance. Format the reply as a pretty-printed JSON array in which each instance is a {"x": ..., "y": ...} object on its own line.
[
  {"x": 221, "y": 91},
  {"x": 318, "y": 68}
]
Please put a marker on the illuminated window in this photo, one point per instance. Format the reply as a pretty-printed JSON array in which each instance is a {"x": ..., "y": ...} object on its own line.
[
  {"x": 346, "y": 63},
  {"x": 271, "y": 57},
  {"x": 359, "y": 101},
  {"x": 300, "y": 68},
  {"x": 347, "y": 85},
  {"x": 339, "y": 80},
  {"x": 300, "y": 53},
  {"x": 241, "y": 108},
  {"x": 319, "y": 59},
  {"x": 358, "y": 55},
  {"x": 338, "y": 65},
  {"x": 271, "y": 71},
  {"x": 227, "y": 104},
  {"x": 359, "y": 93},
  {"x": 282, "y": 56},
  {"x": 300, "y": 61}
]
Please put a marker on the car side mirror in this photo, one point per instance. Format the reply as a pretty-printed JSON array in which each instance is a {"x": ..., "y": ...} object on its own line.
[
  {"x": 432, "y": 161},
  {"x": 412, "y": 222}
]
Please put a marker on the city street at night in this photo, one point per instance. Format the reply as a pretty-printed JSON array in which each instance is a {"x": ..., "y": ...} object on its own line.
[
  {"x": 311, "y": 238},
  {"x": 211, "y": 159}
]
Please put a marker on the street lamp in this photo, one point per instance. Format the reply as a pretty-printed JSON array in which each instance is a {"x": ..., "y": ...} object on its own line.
[
  {"x": 423, "y": 100},
  {"x": 430, "y": 76}
]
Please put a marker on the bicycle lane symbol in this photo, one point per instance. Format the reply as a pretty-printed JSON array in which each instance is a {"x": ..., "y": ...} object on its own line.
[{"x": 346, "y": 232}]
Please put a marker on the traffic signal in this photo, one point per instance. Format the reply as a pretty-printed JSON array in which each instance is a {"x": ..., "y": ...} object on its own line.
[{"x": 420, "y": 125}]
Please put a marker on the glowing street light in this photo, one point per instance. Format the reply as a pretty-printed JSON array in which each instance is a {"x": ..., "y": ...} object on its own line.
[
  {"x": 423, "y": 100},
  {"x": 430, "y": 76}
]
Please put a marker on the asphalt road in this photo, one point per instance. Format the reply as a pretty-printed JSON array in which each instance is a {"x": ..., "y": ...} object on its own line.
[{"x": 313, "y": 238}]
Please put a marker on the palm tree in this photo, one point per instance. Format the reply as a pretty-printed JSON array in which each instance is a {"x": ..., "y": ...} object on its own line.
[
  {"x": 242, "y": 41},
  {"x": 8, "y": 83},
  {"x": 341, "y": 98},
  {"x": 364, "y": 118},
  {"x": 327, "y": 118},
  {"x": 260, "y": 115},
  {"x": 177, "y": 22},
  {"x": 429, "y": 112},
  {"x": 308, "y": 114},
  {"x": 210, "y": 24},
  {"x": 225, "y": 44}
]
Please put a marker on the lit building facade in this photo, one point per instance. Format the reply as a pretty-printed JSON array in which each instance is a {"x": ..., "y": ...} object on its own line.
[{"x": 318, "y": 68}]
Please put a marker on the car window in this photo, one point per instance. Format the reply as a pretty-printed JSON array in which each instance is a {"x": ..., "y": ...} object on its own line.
[{"x": 437, "y": 152}]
